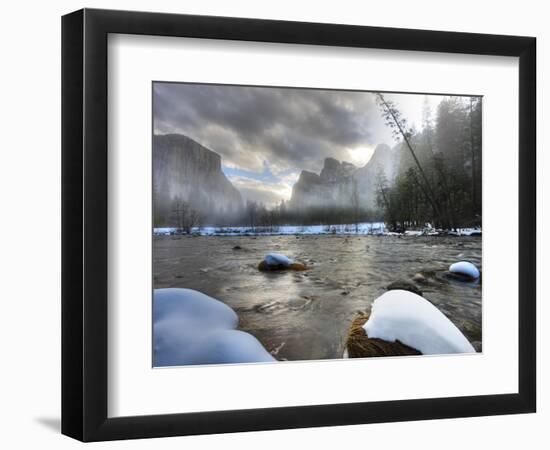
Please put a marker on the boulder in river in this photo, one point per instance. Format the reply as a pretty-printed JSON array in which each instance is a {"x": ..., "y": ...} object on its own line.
[
  {"x": 403, "y": 323},
  {"x": 411, "y": 319},
  {"x": 276, "y": 261},
  {"x": 190, "y": 327},
  {"x": 419, "y": 278},
  {"x": 465, "y": 269}
]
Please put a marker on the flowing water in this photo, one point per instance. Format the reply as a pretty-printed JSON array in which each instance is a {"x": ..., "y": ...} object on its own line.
[{"x": 306, "y": 315}]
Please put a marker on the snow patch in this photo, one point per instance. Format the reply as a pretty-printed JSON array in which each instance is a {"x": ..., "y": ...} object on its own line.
[
  {"x": 465, "y": 268},
  {"x": 414, "y": 321},
  {"x": 466, "y": 232},
  {"x": 365, "y": 228},
  {"x": 190, "y": 327},
  {"x": 413, "y": 233},
  {"x": 376, "y": 228}
]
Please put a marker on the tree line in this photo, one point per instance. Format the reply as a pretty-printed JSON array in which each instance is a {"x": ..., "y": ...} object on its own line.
[
  {"x": 258, "y": 215},
  {"x": 438, "y": 179}
]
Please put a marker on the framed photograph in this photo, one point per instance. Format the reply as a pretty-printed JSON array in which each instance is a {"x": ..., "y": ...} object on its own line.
[{"x": 273, "y": 224}]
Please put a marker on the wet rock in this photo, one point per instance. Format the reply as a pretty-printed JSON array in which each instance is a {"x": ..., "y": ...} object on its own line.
[
  {"x": 457, "y": 277},
  {"x": 276, "y": 261},
  {"x": 359, "y": 345},
  {"x": 419, "y": 278},
  {"x": 237, "y": 247},
  {"x": 265, "y": 267},
  {"x": 298, "y": 266},
  {"x": 404, "y": 285}
]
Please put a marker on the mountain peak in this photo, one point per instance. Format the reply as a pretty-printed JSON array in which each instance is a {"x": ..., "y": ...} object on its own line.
[
  {"x": 308, "y": 177},
  {"x": 184, "y": 170},
  {"x": 381, "y": 150},
  {"x": 334, "y": 170}
]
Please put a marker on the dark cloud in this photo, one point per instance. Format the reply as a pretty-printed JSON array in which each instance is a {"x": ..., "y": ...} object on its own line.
[{"x": 288, "y": 128}]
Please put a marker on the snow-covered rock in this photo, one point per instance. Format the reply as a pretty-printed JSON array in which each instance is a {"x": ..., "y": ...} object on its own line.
[
  {"x": 276, "y": 259},
  {"x": 359, "y": 345},
  {"x": 465, "y": 268},
  {"x": 414, "y": 321},
  {"x": 278, "y": 262},
  {"x": 190, "y": 327}
]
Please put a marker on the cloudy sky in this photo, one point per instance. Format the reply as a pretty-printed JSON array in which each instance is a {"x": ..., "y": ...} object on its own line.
[{"x": 266, "y": 136}]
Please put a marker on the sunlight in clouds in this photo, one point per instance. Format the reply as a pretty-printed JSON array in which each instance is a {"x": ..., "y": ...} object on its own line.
[{"x": 360, "y": 156}]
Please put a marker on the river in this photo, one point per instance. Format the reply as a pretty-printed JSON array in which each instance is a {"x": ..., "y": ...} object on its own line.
[{"x": 306, "y": 315}]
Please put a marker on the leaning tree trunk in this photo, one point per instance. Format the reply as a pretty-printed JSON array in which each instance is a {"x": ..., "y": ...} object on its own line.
[{"x": 428, "y": 191}]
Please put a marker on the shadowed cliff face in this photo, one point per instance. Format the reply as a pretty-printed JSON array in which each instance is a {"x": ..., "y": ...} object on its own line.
[
  {"x": 335, "y": 185},
  {"x": 184, "y": 170}
]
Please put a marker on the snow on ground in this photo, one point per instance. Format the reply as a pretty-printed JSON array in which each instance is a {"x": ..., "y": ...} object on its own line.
[
  {"x": 276, "y": 259},
  {"x": 371, "y": 228},
  {"x": 190, "y": 327},
  {"x": 413, "y": 233},
  {"x": 466, "y": 232},
  {"x": 362, "y": 228},
  {"x": 465, "y": 268},
  {"x": 414, "y": 321}
]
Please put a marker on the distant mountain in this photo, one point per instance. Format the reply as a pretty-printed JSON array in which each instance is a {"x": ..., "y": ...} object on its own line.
[
  {"x": 384, "y": 162},
  {"x": 184, "y": 170},
  {"x": 332, "y": 187},
  {"x": 335, "y": 185}
]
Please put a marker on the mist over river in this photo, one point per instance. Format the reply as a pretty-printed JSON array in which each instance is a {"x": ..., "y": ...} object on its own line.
[{"x": 306, "y": 315}]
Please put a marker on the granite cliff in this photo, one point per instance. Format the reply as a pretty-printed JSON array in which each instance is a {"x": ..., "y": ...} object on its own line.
[
  {"x": 337, "y": 182},
  {"x": 184, "y": 170}
]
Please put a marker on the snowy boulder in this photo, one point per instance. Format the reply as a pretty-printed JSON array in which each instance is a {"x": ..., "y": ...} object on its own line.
[
  {"x": 412, "y": 320},
  {"x": 190, "y": 327},
  {"x": 465, "y": 269},
  {"x": 276, "y": 261}
]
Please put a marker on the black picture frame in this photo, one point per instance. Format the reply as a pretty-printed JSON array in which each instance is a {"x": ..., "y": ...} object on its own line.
[{"x": 84, "y": 224}]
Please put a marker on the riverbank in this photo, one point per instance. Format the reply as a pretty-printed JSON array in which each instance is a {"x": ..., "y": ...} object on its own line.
[{"x": 365, "y": 228}]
